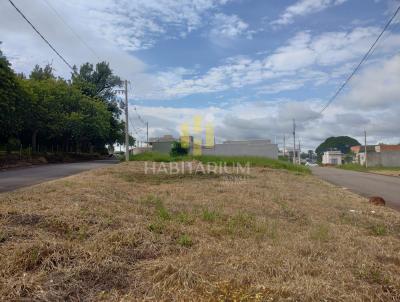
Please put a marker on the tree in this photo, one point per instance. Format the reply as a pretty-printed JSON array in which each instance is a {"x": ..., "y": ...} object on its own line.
[
  {"x": 341, "y": 143},
  {"x": 39, "y": 74},
  {"x": 13, "y": 101},
  {"x": 178, "y": 150},
  {"x": 60, "y": 114},
  {"x": 50, "y": 111},
  {"x": 99, "y": 82}
]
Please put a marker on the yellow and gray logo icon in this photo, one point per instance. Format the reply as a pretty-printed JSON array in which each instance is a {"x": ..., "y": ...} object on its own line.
[{"x": 193, "y": 140}]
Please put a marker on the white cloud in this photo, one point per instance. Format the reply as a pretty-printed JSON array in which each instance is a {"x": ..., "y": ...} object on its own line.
[
  {"x": 371, "y": 103},
  {"x": 376, "y": 87},
  {"x": 279, "y": 86},
  {"x": 228, "y": 27},
  {"x": 139, "y": 24},
  {"x": 303, "y": 8},
  {"x": 304, "y": 58}
]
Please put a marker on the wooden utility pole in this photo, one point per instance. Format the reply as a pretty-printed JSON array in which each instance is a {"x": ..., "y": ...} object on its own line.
[
  {"x": 365, "y": 148},
  {"x": 294, "y": 141},
  {"x": 299, "y": 154},
  {"x": 284, "y": 146},
  {"x": 126, "y": 123},
  {"x": 147, "y": 134}
]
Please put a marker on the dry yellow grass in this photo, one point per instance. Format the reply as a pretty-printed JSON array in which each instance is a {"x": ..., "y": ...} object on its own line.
[
  {"x": 116, "y": 234},
  {"x": 388, "y": 172}
]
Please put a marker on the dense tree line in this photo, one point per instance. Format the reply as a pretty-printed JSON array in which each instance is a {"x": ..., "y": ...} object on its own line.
[{"x": 49, "y": 113}]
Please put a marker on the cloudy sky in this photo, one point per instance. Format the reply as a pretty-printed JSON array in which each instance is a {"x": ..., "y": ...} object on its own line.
[{"x": 247, "y": 66}]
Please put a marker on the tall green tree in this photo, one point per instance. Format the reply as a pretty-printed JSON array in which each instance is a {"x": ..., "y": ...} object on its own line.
[
  {"x": 13, "y": 101},
  {"x": 39, "y": 74},
  {"x": 341, "y": 143},
  {"x": 42, "y": 109},
  {"x": 100, "y": 82},
  {"x": 96, "y": 81}
]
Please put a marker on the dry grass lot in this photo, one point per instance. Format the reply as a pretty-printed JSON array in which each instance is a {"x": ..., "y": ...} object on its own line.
[{"x": 116, "y": 234}]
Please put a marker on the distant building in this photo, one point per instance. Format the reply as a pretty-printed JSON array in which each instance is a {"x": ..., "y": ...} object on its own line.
[
  {"x": 377, "y": 155},
  {"x": 311, "y": 156},
  {"x": 162, "y": 144},
  {"x": 334, "y": 158},
  {"x": 259, "y": 148},
  {"x": 139, "y": 150},
  {"x": 290, "y": 153}
]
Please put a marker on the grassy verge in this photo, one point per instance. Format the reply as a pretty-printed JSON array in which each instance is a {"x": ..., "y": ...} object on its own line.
[
  {"x": 119, "y": 234},
  {"x": 228, "y": 160},
  {"x": 393, "y": 171},
  {"x": 353, "y": 167}
]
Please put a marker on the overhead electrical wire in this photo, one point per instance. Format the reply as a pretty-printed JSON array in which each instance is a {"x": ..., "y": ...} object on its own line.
[
  {"x": 43, "y": 38},
  {"x": 369, "y": 52},
  {"x": 71, "y": 29},
  {"x": 139, "y": 117},
  {"x": 136, "y": 111}
]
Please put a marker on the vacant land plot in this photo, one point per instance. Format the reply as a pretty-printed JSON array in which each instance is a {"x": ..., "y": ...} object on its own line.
[{"x": 118, "y": 234}]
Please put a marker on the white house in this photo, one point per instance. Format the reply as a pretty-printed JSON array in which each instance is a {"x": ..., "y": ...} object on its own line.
[{"x": 332, "y": 158}]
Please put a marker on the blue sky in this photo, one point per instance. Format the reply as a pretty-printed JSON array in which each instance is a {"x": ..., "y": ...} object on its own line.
[{"x": 247, "y": 66}]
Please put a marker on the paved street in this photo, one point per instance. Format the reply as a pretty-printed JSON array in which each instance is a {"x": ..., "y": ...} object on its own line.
[
  {"x": 365, "y": 184},
  {"x": 27, "y": 176}
]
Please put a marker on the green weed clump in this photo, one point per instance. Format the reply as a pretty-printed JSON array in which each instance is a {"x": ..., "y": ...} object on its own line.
[{"x": 185, "y": 240}]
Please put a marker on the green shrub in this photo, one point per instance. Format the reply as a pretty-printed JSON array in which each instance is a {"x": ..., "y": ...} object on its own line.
[{"x": 178, "y": 150}]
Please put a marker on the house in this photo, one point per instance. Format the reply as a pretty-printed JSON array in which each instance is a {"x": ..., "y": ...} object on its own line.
[
  {"x": 259, "y": 148},
  {"x": 139, "y": 150},
  {"x": 162, "y": 144},
  {"x": 377, "y": 155},
  {"x": 332, "y": 158}
]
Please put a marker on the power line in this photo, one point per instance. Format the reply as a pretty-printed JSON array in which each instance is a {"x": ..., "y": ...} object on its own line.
[
  {"x": 137, "y": 113},
  {"x": 139, "y": 117},
  {"x": 71, "y": 29},
  {"x": 44, "y": 39},
  {"x": 369, "y": 52}
]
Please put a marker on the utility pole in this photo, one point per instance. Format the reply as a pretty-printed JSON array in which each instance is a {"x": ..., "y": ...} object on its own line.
[
  {"x": 365, "y": 148},
  {"x": 294, "y": 141},
  {"x": 147, "y": 134},
  {"x": 284, "y": 146},
  {"x": 126, "y": 123},
  {"x": 299, "y": 154}
]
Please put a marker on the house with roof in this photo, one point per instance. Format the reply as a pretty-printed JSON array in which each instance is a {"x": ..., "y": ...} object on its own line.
[
  {"x": 332, "y": 158},
  {"x": 162, "y": 144},
  {"x": 377, "y": 155}
]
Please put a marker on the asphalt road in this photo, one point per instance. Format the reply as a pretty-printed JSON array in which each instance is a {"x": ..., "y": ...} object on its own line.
[
  {"x": 28, "y": 176},
  {"x": 365, "y": 184}
]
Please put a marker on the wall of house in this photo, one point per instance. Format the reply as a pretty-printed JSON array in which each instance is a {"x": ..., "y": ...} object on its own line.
[
  {"x": 374, "y": 159},
  {"x": 162, "y": 147},
  {"x": 243, "y": 149},
  {"x": 390, "y": 158},
  {"x": 139, "y": 150},
  {"x": 332, "y": 159},
  {"x": 383, "y": 159}
]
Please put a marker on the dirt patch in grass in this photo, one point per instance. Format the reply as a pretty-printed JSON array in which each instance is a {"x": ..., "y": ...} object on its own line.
[{"x": 120, "y": 234}]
